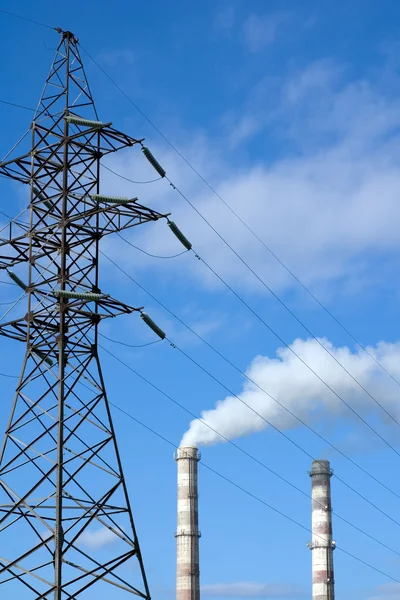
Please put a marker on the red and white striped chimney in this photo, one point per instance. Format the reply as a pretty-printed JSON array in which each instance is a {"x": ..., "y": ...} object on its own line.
[
  {"x": 187, "y": 533},
  {"x": 322, "y": 545}
]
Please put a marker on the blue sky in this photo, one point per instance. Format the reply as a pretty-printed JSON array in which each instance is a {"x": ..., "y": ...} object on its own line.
[{"x": 291, "y": 112}]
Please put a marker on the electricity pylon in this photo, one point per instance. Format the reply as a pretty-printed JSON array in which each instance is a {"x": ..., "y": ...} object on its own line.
[{"x": 62, "y": 488}]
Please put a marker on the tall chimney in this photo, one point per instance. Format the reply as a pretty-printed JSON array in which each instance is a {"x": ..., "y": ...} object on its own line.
[
  {"x": 187, "y": 534},
  {"x": 322, "y": 545}
]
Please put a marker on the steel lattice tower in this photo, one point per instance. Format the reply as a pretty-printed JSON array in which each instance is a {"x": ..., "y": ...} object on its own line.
[{"x": 60, "y": 470}]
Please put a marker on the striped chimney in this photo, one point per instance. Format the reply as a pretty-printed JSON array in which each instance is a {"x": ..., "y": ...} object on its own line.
[
  {"x": 187, "y": 534},
  {"x": 322, "y": 545}
]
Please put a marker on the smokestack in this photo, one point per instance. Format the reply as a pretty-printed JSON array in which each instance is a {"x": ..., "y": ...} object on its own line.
[
  {"x": 187, "y": 534},
  {"x": 322, "y": 545}
]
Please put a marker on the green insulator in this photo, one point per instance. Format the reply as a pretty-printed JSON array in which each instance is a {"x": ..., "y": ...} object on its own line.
[
  {"x": 45, "y": 358},
  {"x": 178, "y": 233},
  {"x": 17, "y": 280},
  {"x": 112, "y": 199},
  {"x": 42, "y": 198},
  {"x": 150, "y": 323},
  {"x": 154, "y": 163},
  {"x": 90, "y": 296},
  {"x": 86, "y": 122},
  {"x": 37, "y": 193}
]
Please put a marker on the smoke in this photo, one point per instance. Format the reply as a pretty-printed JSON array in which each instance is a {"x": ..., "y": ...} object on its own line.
[{"x": 297, "y": 388}]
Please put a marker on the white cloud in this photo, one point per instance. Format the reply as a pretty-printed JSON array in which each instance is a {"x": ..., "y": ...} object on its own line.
[
  {"x": 250, "y": 589},
  {"x": 262, "y": 30},
  {"x": 390, "y": 591},
  {"x": 111, "y": 58},
  {"x": 290, "y": 382},
  {"x": 318, "y": 77},
  {"x": 225, "y": 19},
  {"x": 244, "y": 129},
  {"x": 96, "y": 539},
  {"x": 328, "y": 209}
]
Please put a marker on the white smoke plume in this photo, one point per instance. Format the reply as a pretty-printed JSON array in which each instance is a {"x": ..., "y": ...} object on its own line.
[{"x": 297, "y": 388}]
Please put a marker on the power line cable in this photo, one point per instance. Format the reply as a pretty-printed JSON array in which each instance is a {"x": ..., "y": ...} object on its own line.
[
  {"x": 214, "y": 191},
  {"x": 10, "y": 376},
  {"x": 252, "y": 457},
  {"x": 11, "y": 14},
  {"x": 127, "y": 178},
  {"x": 8, "y": 303},
  {"x": 381, "y": 437},
  {"x": 245, "y": 263},
  {"x": 354, "y": 463},
  {"x": 166, "y": 395},
  {"x": 13, "y": 219},
  {"x": 236, "y": 485},
  {"x": 129, "y": 345},
  {"x": 250, "y": 494},
  {"x": 237, "y": 447},
  {"x": 17, "y": 105},
  {"x": 148, "y": 253},
  {"x": 230, "y": 208},
  {"x": 202, "y": 463},
  {"x": 284, "y": 305},
  {"x": 329, "y": 387}
]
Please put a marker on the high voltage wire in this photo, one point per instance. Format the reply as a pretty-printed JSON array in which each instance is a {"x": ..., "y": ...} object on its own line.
[
  {"x": 148, "y": 253},
  {"x": 275, "y": 256},
  {"x": 10, "y": 376},
  {"x": 287, "y": 308},
  {"x": 127, "y": 178},
  {"x": 306, "y": 364},
  {"x": 385, "y": 441},
  {"x": 237, "y": 485},
  {"x": 129, "y": 345},
  {"x": 233, "y": 483},
  {"x": 252, "y": 457},
  {"x": 329, "y": 387},
  {"x": 282, "y": 303},
  {"x": 256, "y": 236},
  {"x": 11, "y": 14},
  {"x": 8, "y": 303},
  {"x": 374, "y": 539},
  {"x": 248, "y": 378},
  {"x": 17, "y": 105},
  {"x": 230, "y": 481},
  {"x": 299, "y": 321}
]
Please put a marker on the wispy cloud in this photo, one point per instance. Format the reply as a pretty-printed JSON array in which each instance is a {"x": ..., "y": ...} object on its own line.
[
  {"x": 250, "y": 589},
  {"x": 390, "y": 591},
  {"x": 262, "y": 30},
  {"x": 93, "y": 539},
  {"x": 224, "y": 19},
  {"x": 316, "y": 207},
  {"x": 97, "y": 539},
  {"x": 111, "y": 58}
]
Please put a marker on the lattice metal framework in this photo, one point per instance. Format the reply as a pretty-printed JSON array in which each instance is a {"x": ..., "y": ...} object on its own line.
[{"x": 62, "y": 488}]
